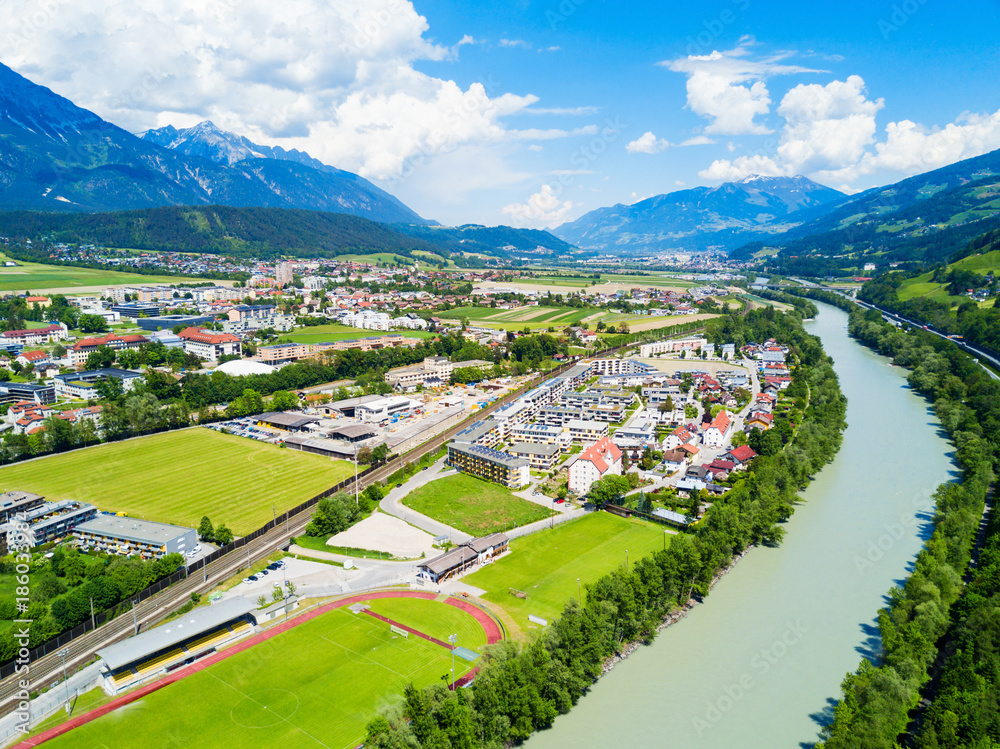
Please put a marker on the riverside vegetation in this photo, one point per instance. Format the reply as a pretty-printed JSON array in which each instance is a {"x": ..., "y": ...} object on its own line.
[
  {"x": 875, "y": 709},
  {"x": 522, "y": 687}
]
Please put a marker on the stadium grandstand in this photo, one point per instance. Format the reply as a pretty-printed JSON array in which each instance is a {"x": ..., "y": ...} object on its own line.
[{"x": 175, "y": 644}]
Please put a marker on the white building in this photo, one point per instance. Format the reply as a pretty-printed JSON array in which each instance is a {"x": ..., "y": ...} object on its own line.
[
  {"x": 384, "y": 409},
  {"x": 717, "y": 433},
  {"x": 601, "y": 459},
  {"x": 209, "y": 345},
  {"x": 671, "y": 346}
]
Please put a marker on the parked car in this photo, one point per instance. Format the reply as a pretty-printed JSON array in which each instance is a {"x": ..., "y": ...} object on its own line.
[
  {"x": 247, "y": 580},
  {"x": 252, "y": 578}
]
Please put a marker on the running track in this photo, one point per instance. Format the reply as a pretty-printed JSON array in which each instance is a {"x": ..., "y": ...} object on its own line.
[{"x": 493, "y": 635}]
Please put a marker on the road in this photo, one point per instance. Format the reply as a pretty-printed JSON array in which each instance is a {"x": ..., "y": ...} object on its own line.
[{"x": 80, "y": 650}]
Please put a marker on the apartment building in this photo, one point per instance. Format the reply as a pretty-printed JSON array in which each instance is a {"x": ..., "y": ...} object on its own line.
[
  {"x": 672, "y": 346},
  {"x": 111, "y": 534},
  {"x": 209, "y": 345},
  {"x": 539, "y": 457},
  {"x": 582, "y": 430},
  {"x": 603, "y": 458},
  {"x": 85, "y": 346},
  {"x": 492, "y": 465}
]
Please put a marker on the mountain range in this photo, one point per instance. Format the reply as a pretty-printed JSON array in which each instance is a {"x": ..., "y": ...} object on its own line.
[
  {"x": 703, "y": 218},
  {"x": 57, "y": 156}
]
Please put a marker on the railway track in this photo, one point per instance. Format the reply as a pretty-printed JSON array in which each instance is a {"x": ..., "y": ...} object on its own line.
[{"x": 83, "y": 649}]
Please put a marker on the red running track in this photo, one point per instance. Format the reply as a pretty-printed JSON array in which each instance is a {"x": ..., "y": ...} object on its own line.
[{"x": 493, "y": 635}]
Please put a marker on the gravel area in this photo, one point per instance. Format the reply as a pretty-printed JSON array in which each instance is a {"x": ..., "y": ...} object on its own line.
[{"x": 381, "y": 532}]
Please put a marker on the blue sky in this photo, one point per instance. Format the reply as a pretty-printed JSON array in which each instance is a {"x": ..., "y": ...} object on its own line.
[{"x": 533, "y": 113}]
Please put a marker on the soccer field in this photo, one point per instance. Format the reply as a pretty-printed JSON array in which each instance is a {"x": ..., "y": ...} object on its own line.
[
  {"x": 546, "y": 565},
  {"x": 316, "y": 685},
  {"x": 177, "y": 477}
]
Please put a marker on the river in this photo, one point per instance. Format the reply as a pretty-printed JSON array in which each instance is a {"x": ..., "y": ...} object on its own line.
[{"x": 760, "y": 663}]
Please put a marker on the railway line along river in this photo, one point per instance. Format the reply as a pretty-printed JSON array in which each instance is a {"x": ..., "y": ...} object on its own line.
[{"x": 760, "y": 663}]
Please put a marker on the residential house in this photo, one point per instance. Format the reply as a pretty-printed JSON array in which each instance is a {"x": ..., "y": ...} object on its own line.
[{"x": 603, "y": 458}]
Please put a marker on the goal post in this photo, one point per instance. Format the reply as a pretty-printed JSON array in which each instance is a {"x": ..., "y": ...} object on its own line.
[{"x": 398, "y": 631}]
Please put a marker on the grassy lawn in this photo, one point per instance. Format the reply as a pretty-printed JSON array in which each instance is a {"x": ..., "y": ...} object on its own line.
[
  {"x": 85, "y": 702},
  {"x": 177, "y": 477},
  {"x": 334, "y": 332},
  {"x": 314, "y": 686},
  {"x": 473, "y": 505},
  {"x": 434, "y": 619},
  {"x": 36, "y": 277},
  {"x": 546, "y": 565}
]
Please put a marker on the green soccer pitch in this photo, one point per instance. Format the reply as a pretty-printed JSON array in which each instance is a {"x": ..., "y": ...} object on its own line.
[
  {"x": 316, "y": 685},
  {"x": 178, "y": 477},
  {"x": 546, "y": 565}
]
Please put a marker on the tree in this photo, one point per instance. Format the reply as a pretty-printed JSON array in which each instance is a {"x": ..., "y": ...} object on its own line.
[
  {"x": 364, "y": 456},
  {"x": 223, "y": 535},
  {"x": 380, "y": 454},
  {"x": 261, "y": 601},
  {"x": 608, "y": 490},
  {"x": 276, "y": 594},
  {"x": 283, "y": 400},
  {"x": 100, "y": 358},
  {"x": 92, "y": 324},
  {"x": 205, "y": 530},
  {"x": 667, "y": 406},
  {"x": 110, "y": 389}
]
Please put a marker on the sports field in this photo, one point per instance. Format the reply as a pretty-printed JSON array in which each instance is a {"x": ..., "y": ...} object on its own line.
[
  {"x": 316, "y": 685},
  {"x": 334, "y": 332},
  {"x": 546, "y": 565},
  {"x": 38, "y": 277},
  {"x": 178, "y": 477},
  {"x": 473, "y": 505}
]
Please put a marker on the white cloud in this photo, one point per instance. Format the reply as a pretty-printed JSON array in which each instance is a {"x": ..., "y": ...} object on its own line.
[
  {"x": 743, "y": 166},
  {"x": 827, "y": 127},
  {"x": 910, "y": 148},
  {"x": 728, "y": 88},
  {"x": 698, "y": 140},
  {"x": 647, "y": 143},
  {"x": 335, "y": 79},
  {"x": 543, "y": 209},
  {"x": 515, "y": 43},
  {"x": 535, "y": 147},
  {"x": 830, "y": 134},
  {"x": 551, "y": 133}
]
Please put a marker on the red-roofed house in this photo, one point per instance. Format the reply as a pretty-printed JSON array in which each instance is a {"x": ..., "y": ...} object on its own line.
[
  {"x": 682, "y": 435},
  {"x": 82, "y": 348},
  {"x": 209, "y": 345},
  {"x": 601, "y": 459},
  {"x": 741, "y": 455},
  {"x": 717, "y": 433},
  {"x": 36, "y": 336},
  {"x": 36, "y": 359}
]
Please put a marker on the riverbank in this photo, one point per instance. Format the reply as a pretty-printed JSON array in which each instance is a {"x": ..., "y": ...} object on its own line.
[{"x": 672, "y": 618}]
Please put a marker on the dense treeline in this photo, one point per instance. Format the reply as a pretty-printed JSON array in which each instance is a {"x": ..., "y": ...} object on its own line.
[
  {"x": 979, "y": 326},
  {"x": 521, "y": 687},
  {"x": 877, "y": 699},
  {"x": 63, "y": 586},
  {"x": 966, "y": 709},
  {"x": 260, "y": 233}
]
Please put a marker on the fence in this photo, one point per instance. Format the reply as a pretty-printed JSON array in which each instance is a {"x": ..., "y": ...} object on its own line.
[
  {"x": 106, "y": 615},
  {"x": 7, "y": 669}
]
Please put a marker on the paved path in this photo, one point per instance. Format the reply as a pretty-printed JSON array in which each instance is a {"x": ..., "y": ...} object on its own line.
[
  {"x": 391, "y": 503},
  {"x": 489, "y": 625}
]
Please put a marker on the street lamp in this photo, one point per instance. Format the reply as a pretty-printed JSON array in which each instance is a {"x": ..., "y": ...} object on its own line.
[
  {"x": 453, "y": 639},
  {"x": 664, "y": 539},
  {"x": 62, "y": 654}
]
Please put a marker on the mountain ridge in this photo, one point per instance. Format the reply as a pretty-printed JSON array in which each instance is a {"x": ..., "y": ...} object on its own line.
[
  {"x": 702, "y": 218},
  {"x": 58, "y": 156}
]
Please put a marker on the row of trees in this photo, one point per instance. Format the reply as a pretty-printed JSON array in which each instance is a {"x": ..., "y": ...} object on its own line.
[
  {"x": 878, "y": 698},
  {"x": 521, "y": 687}
]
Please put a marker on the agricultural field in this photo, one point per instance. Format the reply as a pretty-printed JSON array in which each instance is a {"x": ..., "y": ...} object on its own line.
[
  {"x": 473, "y": 506},
  {"x": 546, "y": 565},
  {"x": 541, "y": 318},
  {"x": 177, "y": 477},
  {"x": 923, "y": 286},
  {"x": 334, "y": 332},
  {"x": 316, "y": 685},
  {"x": 38, "y": 277}
]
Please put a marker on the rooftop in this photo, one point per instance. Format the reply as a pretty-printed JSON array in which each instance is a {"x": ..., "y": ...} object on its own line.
[{"x": 131, "y": 529}]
